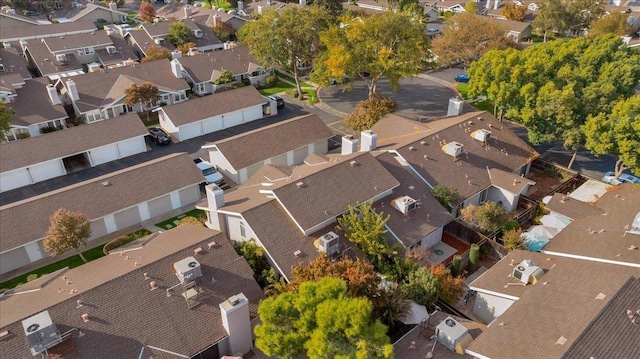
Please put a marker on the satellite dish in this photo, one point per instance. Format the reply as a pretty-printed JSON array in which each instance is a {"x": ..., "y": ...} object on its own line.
[{"x": 33, "y": 327}]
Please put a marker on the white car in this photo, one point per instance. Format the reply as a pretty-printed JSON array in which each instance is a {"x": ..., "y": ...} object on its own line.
[
  {"x": 209, "y": 172},
  {"x": 610, "y": 178}
]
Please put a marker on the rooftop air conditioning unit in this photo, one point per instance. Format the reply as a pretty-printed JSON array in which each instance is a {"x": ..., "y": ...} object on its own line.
[
  {"x": 111, "y": 50},
  {"x": 41, "y": 333},
  {"x": 329, "y": 244},
  {"x": 453, "y": 335},
  {"x": 61, "y": 58},
  {"x": 404, "y": 204},
  {"x": 159, "y": 41},
  {"x": 453, "y": 148},
  {"x": 198, "y": 34},
  {"x": 2, "y": 69},
  {"x": 527, "y": 272},
  {"x": 187, "y": 270},
  {"x": 481, "y": 135}
]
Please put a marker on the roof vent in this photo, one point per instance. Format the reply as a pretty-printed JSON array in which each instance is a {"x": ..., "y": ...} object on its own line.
[
  {"x": 187, "y": 270},
  {"x": 527, "y": 272},
  {"x": 105, "y": 183},
  {"x": 159, "y": 41},
  {"x": 41, "y": 333},
  {"x": 297, "y": 253},
  {"x": 453, "y": 148},
  {"x": 404, "y": 204},
  {"x": 481, "y": 135},
  {"x": 111, "y": 50},
  {"x": 353, "y": 163},
  {"x": 329, "y": 244},
  {"x": 85, "y": 317},
  {"x": 61, "y": 58},
  {"x": 453, "y": 335},
  {"x": 300, "y": 184}
]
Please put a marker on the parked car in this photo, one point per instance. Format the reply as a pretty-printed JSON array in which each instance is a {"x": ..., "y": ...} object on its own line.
[
  {"x": 434, "y": 32},
  {"x": 211, "y": 175},
  {"x": 610, "y": 178},
  {"x": 462, "y": 78},
  {"x": 279, "y": 101},
  {"x": 158, "y": 136}
]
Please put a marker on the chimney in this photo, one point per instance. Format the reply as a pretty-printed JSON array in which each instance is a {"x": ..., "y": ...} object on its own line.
[
  {"x": 455, "y": 107},
  {"x": 53, "y": 95},
  {"x": 236, "y": 321},
  {"x": 349, "y": 145},
  {"x": 216, "y": 19},
  {"x": 215, "y": 199},
  {"x": 176, "y": 68},
  {"x": 260, "y": 9},
  {"x": 368, "y": 141},
  {"x": 187, "y": 11},
  {"x": 497, "y": 5},
  {"x": 176, "y": 54},
  {"x": 240, "y": 5},
  {"x": 113, "y": 6},
  {"x": 73, "y": 90}
]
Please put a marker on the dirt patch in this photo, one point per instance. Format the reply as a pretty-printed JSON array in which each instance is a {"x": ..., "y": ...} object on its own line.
[{"x": 545, "y": 183}]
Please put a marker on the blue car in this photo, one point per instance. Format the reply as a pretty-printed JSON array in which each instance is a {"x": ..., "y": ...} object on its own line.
[{"x": 462, "y": 78}]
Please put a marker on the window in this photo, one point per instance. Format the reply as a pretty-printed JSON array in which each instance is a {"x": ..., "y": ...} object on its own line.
[
  {"x": 182, "y": 96},
  {"x": 255, "y": 73},
  {"x": 243, "y": 232},
  {"x": 176, "y": 98},
  {"x": 86, "y": 51}
]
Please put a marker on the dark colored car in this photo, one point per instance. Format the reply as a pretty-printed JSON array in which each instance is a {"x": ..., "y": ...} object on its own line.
[
  {"x": 279, "y": 101},
  {"x": 462, "y": 78},
  {"x": 158, "y": 136},
  {"x": 31, "y": 13}
]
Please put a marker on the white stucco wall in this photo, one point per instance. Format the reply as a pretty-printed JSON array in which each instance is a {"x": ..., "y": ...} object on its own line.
[
  {"x": 508, "y": 200},
  {"x": 488, "y": 306}
]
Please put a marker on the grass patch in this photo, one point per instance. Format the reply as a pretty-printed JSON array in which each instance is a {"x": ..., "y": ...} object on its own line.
[
  {"x": 291, "y": 79},
  {"x": 192, "y": 213},
  {"x": 311, "y": 96},
  {"x": 280, "y": 87},
  {"x": 486, "y": 105},
  {"x": 151, "y": 123}
]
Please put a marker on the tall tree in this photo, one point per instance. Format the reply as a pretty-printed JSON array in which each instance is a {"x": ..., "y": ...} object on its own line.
[
  {"x": 333, "y": 6},
  {"x": 617, "y": 133},
  {"x": 583, "y": 12},
  {"x": 185, "y": 48},
  {"x": 614, "y": 23},
  {"x": 287, "y": 38},
  {"x": 68, "y": 230},
  {"x": 513, "y": 239},
  {"x": 145, "y": 94},
  {"x": 224, "y": 31},
  {"x": 552, "y": 17},
  {"x": 514, "y": 12},
  {"x": 470, "y": 7},
  {"x": 451, "y": 288},
  {"x": 321, "y": 321},
  {"x": 447, "y": 196},
  {"x": 466, "y": 37},
  {"x": 366, "y": 228},
  {"x": 369, "y": 111},
  {"x": 146, "y": 12},
  {"x": 6, "y": 118},
  {"x": 392, "y": 45},
  {"x": 156, "y": 52},
  {"x": 422, "y": 287},
  {"x": 179, "y": 33}
]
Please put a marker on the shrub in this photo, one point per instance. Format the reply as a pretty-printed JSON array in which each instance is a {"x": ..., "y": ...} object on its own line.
[
  {"x": 225, "y": 77},
  {"x": 474, "y": 255},
  {"x": 513, "y": 239},
  {"x": 451, "y": 287},
  {"x": 422, "y": 287},
  {"x": 369, "y": 111},
  {"x": 191, "y": 220},
  {"x": 23, "y": 135},
  {"x": 512, "y": 224},
  {"x": 292, "y": 92},
  {"x": 456, "y": 264},
  {"x": 115, "y": 243},
  {"x": 272, "y": 80},
  {"x": 446, "y": 196},
  {"x": 488, "y": 217},
  {"x": 32, "y": 276}
]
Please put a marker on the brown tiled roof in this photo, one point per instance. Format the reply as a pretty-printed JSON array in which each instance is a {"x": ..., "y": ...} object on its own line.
[
  {"x": 602, "y": 236},
  {"x": 509, "y": 181},
  {"x": 250, "y": 7},
  {"x": 22, "y": 153},
  {"x": 329, "y": 189},
  {"x": 14, "y": 63},
  {"x": 511, "y": 25},
  {"x": 316, "y": 159},
  {"x": 126, "y": 188},
  {"x": 208, "y": 66},
  {"x": 507, "y": 152},
  {"x": 42, "y": 31},
  {"x": 272, "y": 140},
  {"x": 395, "y": 131},
  {"x": 46, "y": 61},
  {"x": 143, "y": 40},
  {"x": 98, "y": 89},
  {"x": 412, "y": 227},
  {"x": 72, "y": 42},
  {"x": 571, "y": 207},
  {"x": 77, "y": 14},
  {"x": 544, "y": 313},
  {"x": 32, "y": 105},
  {"x": 175, "y": 10},
  {"x": 124, "y": 52},
  {"x": 124, "y": 314},
  {"x": 213, "y": 105},
  {"x": 612, "y": 334}
]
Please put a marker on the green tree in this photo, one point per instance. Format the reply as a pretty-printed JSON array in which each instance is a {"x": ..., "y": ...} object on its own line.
[
  {"x": 146, "y": 12},
  {"x": 285, "y": 39},
  {"x": 466, "y": 37},
  {"x": 224, "y": 31},
  {"x": 392, "y": 45},
  {"x": 474, "y": 256},
  {"x": 145, "y": 94},
  {"x": 254, "y": 255},
  {"x": 226, "y": 76},
  {"x": 391, "y": 306},
  {"x": 156, "y": 52},
  {"x": 321, "y": 321},
  {"x": 451, "y": 287},
  {"x": 6, "y": 118},
  {"x": 447, "y": 196},
  {"x": 422, "y": 287},
  {"x": 552, "y": 17},
  {"x": 333, "y": 6},
  {"x": 488, "y": 217},
  {"x": 514, "y": 12},
  {"x": 614, "y": 23},
  {"x": 366, "y": 228},
  {"x": 470, "y": 7},
  {"x": 617, "y": 133},
  {"x": 68, "y": 230},
  {"x": 179, "y": 33},
  {"x": 513, "y": 239},
  {"x": 369, "y": 111},
  {"x": 583, "y": 12}
]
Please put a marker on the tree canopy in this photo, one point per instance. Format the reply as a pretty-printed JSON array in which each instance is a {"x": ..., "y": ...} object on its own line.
[
  {"x": 552, "y": 88},
  {"x": 179, "y": 34},
  {"x": 422, "y": 287},
  {"x": 366, "y": 228},
  {"x": 466, "y": 37},
  {"x": 68, "y": 230},
  {"x": 614, "y": 23},
  {"x": 447, "y": 196},
  {"x": 146, "y": 12},
  {"x": 146, "y": 94},
  {"x": 514, "y": 12},
  {"x": 6, "y": 118},
  {"x": 392, "y": 45},
  {"x": 321, "y": 321},
  {"x": 369, "y": 111},
  {"x": 558, "y": 16},
  {"x": 285, "y": 39},
  {"x": 156, "y": 52},
  {"x": 617, "y": 133}
]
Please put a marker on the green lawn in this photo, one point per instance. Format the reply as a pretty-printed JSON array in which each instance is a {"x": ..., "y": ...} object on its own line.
[
  {"x": 281, "y": 87},
  {"x": 485, "y": 105},
  {"x": 192, "y": 213}
]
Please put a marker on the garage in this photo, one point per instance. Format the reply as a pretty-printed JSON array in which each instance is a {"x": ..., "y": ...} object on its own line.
[
  {"x": 190, "y": 130},
  {"x": 76, "y": 162},
  {"x": 233, "y": 119},
  {"x": 103, "y": 154},
  {"x": 45, "y": 170},
  {"x": 300, "y": 154},
  {"x": 131, "y": 146},
  {"x": 127, "y": 217},
  {"x": 212, "y": 124},
  {"x": 14, "y": 179},
  {"x": 252, "y": 113},
  {"x": 160, "y": 206}
]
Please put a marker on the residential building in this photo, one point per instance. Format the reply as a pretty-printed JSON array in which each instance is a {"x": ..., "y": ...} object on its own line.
[
  {"x": 40, "y": 158},
  {"x": 13, "y": 32},
  {"x": 112, "y": 202},
  {"x": 97, "y": 14},
  {"x": 285, "y": 143},
  {"x": 13, "y": 73},
  {"x": 179, "y": 11},
  {"x": 212, "y": 113},
  {"x": 450, "y": 6},
  {"x": 137, "y": 303},
  {"x": 158, "y": 33},
  {"x": 258, "y": 6},
  {"x": 517, "y": 30}
]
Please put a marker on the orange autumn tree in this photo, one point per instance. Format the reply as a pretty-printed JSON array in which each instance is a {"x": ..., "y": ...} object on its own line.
[{"x": 451, "y": 288}]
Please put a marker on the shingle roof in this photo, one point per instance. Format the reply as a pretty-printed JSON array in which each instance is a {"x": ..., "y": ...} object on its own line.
[
  {"x": 213, "y": 105},
  {"x": 252, "y": 6},
  {"x": 41, "y": 31},
  {"x": 572, "y": 208},
  {"x": 32, "y": 105},
  {"x": 72, "y": 42},
  {"x": 124, "y": 314},
  {"x": 124, "y": 52},
  {"x": 511, "y": 25},
  {"x": 127, "y": 188},
  {"x": 175, "y": 10},
  {"x": 602, "y": 235},
  {"x": 563, "y": 307},
  {"x": 14, "y": 63},
  {"x": 22, "y": 153},
  {"x": 89, "y": 7},
  {"x": 143, "y": 40},
  {"x": 47, "y": 62},
  {"x": 208, "y": 66},
  {"x": 272, "y": 140},
  {"x": 509, "y": 181},
  {"x": 161, "y": 29}
]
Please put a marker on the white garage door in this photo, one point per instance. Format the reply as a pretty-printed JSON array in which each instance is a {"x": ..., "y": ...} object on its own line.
[
  {"x": 131, "y": 146},
  {"x": 14, "y": 179},
  {"x": 233, "y": 119},
  {"x": 45, "y": 170},
  {"x": 252, "y": 113},
  {"x": 212, "y": 124},
  {"x": 104, "y": 154},
  {"x": 190, "y": 130}
]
